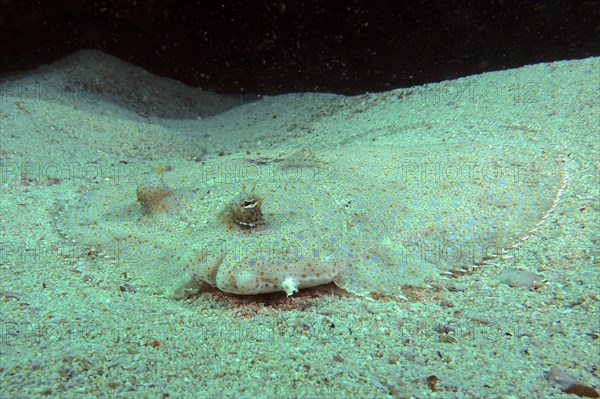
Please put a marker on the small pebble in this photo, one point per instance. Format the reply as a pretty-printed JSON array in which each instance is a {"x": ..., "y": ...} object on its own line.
[
  {"x": 517, "y": 278},
  {"x": 568, "y": 384}
]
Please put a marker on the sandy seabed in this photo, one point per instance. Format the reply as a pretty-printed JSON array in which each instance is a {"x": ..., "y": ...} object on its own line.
[{"x": 76, "y": 325}]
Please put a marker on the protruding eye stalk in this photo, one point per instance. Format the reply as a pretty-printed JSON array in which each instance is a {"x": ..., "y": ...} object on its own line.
[{"x": 247, "y": 213}]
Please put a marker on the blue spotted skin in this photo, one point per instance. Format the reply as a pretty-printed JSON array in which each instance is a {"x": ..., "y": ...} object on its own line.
[
  {"x": 414, "y": 220},
  {"x": 299, "y": 242},
  {"x": 373, "y": 219}
]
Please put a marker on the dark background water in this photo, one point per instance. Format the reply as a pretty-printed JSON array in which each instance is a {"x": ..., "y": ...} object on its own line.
[{"x": 287, "y": 46}]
